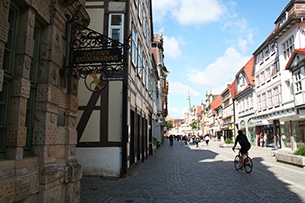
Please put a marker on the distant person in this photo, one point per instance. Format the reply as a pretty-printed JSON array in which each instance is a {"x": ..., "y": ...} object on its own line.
[
  {"x": 207, "y": 139},
  {"x": 171, "y": 140},
  {"x": 265, "y": 139},
  {"x": 261, "y": 139},
  {"x": 244, "y": 145},
  {"x": 197, "y": 141}
]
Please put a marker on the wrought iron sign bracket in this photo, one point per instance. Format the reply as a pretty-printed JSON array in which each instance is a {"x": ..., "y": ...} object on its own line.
[{"x": 95, "y": 58}]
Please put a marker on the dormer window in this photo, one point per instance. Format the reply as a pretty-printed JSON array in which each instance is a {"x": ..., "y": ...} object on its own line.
[{"x": 242, "y": 81}]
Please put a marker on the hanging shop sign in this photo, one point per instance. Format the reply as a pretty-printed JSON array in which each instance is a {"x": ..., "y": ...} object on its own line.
[
  {"x": 96, "y": 58},
  {"x": 92, "y": 56}
]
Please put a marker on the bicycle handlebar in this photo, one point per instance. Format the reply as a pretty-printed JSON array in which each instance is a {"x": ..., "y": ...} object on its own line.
[{"x": 235, "y": 148}]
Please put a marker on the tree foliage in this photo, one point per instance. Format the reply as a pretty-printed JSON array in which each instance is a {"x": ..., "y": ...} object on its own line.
[
  {"x": 194, "y": 124},
  {"x": 169, "y": 124}
]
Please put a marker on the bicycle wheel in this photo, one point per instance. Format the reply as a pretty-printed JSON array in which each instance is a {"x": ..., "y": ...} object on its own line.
[
  {"x": 248, "y": 165},
  {"x": 237, "y": 162}
]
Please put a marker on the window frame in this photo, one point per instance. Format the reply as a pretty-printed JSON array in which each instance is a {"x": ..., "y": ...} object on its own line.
[
  {"x": 114, "y": 27},
  {"x": 297, "y": 81},
  {"x": 8, "y": 61}
]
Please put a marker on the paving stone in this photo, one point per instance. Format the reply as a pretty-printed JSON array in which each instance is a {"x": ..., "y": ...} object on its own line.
[{"x": 186, "y": 173}]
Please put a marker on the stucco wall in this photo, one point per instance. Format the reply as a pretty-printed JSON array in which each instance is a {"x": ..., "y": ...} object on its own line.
[{"x": 100, "y": 161}]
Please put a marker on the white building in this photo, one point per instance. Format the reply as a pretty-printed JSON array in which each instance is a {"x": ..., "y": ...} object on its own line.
[
  {"x": 244, "y": 100},
  {"x": 276, "y": 113}
]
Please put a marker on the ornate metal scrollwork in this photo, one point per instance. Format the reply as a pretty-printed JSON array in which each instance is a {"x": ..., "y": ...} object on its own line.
[{"x": 96, "y": 58}]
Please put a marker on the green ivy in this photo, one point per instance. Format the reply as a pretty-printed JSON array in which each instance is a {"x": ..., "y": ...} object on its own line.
[{"x": 300, "y": 151}]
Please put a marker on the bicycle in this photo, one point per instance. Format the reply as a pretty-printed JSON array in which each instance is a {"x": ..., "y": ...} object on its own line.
[{"x": 248, "y": 164}]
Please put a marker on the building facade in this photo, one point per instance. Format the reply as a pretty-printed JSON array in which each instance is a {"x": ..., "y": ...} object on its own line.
[
  {"x": 244, "y": 100},
  {"x": 38, "y": 102},
  {"x": 272, "y": 103},
  {"x": 227, "y": 110},
  {"x": 117, "y": 125},
  {"x": 161, "y": 89},
  {"x": 277, "y": 115}
]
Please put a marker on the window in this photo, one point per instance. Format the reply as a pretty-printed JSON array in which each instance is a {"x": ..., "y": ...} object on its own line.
[
  {"x": 273, "y": 48},
  {"x": 116, "y": 23},
  {"x": 241, "y": 80},
  {"x": 259, "y": 58},
  {"x": 266, "y": 53},
  {"x": 268, "y": 74},
  {"x": 276, "y": 94},
  {"x": 262, "y": 78},
  {"x": 259, "y": 103},
  {"x": 264, "y": 105},
  {"x": 257, "y": 80},
  {"x": 144, "y": 71},
  {"x": 8, "y": 63},
  {"x": 140, "y": 11},
  {"x": 288, "y": 47},
  {"x": 139, "y": 61},
  {"x": 274, "y": 69},
  {"x": 134, "y": 46},
  {"x": 269, "y": 99},
  {"x": 33, "y": 76},
  {"x": 297, "y": 81}
]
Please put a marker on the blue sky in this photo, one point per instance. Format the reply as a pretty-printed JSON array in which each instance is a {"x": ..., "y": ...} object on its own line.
[{"x": 207, "y": 41}]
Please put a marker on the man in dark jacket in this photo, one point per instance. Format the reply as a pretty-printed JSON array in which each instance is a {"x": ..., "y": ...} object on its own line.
[{"x": 244, "y": 144}]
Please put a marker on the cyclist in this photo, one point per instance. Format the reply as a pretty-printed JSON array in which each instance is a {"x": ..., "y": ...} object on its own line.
[{"x": 244, "y": 144}]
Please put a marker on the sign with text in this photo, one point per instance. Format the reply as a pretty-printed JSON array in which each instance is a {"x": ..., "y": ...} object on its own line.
[{"x": 113, "y": 55}]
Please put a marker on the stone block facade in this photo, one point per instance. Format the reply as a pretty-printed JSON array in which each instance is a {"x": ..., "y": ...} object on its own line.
[{"x": 38, "y": 104}]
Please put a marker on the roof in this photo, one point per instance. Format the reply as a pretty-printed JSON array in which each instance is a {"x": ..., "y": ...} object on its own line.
[
  {"x": 216, "y": 103},
  {"x": 293, "y": 55},
  {"x": 248, "y": 69}
]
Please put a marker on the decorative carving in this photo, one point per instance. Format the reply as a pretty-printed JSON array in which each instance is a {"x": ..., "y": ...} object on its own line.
[
  {"x": 48, "y": 93},
  {"x": 45, "y": 135},
  {"x": 21, "y": 88},
  {"x": 16, "y": 136},
  {"x": 51, "y": 151},
  {"x": 53, "y": 118},
  {"x": 7, "y": 189},
  {"x": 3, "y": 28},
  {"x": 4, "y": 4}
]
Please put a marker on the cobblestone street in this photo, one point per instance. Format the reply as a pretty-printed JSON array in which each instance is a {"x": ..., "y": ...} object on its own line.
[{"x": 205, "y": 174}]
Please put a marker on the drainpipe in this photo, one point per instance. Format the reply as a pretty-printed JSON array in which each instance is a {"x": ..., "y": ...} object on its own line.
[
  {"x": 234, "y": 118},
  {"x": 291, "y": 136},
  {"x": 124, "y": 139}
]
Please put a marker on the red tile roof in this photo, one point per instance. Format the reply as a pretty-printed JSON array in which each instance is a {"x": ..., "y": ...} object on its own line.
[
  {"x": 248, "y": 69},
  {"x": 294, "y": 53},
  {"x": 216, "y": 103}
]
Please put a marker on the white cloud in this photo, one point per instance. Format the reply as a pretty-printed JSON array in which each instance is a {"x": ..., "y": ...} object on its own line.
[
  {"x": 176, "y": 113},
  {"x": 172, "y": 47},
  {"x": 188, "y": 11},
  {"x": 198, "y": 12},
  {"x": 181, "y": 89},
  {"x": 161, "y": 8},
  {"x": 220, "y": 73}
]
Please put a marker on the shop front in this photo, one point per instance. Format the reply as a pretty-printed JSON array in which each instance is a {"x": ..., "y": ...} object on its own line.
[
  {"x": 251, "y": 133},
  {"x": 292, "y": 134}
]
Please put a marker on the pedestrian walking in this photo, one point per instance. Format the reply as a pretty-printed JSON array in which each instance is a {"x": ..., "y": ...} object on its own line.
[
  {"x": 171, "y": 140},
  {"x": 197, "y": 141},
  {"x": 207, "y": 139}
]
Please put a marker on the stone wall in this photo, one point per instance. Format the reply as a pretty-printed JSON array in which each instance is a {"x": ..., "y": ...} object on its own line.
[{"x": 49, "y": 171}]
